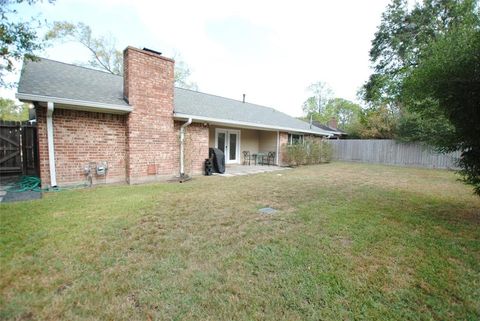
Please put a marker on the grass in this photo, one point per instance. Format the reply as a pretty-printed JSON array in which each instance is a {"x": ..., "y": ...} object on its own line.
[{"x": 350, "y": 242}]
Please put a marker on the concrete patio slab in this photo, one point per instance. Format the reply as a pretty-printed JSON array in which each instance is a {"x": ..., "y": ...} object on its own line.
[{"x": 240, "y": 170}]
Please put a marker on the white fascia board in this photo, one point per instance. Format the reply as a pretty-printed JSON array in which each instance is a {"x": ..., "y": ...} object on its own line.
[
  {"x": 248, "y": 124},
  {"x": 65, "y": 101}
]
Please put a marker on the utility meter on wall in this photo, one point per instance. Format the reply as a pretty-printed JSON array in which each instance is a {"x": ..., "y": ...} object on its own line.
[{"x": 102, "y": 168}]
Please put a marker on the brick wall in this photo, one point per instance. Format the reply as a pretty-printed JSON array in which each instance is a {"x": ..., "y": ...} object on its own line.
[
  {"x": 81, "y": 137},
  {"x": 196, "y": 147},
  {"x": 152, "y": 140}
]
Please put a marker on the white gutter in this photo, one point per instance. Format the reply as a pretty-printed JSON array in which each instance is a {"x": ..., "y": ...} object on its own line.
[
  {"x": 51, "y": 148},
  {"x": 248, "y": 124},
  {"x": 182, "y": 147},
  {"x": 75, "y": 102}
]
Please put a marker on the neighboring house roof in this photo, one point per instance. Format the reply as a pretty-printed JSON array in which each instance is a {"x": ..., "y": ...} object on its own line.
[
  {"x": 48, "y": 80},
  {"x": 327, "y": 128}
]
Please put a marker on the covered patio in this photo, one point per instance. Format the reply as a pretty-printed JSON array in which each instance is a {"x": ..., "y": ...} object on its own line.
[{"x": 235, "y": 142}]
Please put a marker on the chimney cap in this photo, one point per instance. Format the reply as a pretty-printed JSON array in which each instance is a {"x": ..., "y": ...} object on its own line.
[{"x": 152, "y": 51}]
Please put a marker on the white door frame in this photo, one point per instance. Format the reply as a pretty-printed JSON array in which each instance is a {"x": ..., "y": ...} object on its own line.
[{"x": 227, "y": 133}]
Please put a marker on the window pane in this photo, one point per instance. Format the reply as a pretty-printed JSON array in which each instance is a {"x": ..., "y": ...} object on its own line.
[
  {"x": 233, "y": 146},
  {"x": 221, "y": 141}
]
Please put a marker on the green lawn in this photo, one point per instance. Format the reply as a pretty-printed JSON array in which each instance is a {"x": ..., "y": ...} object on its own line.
[{"x": 350, "y": 242}]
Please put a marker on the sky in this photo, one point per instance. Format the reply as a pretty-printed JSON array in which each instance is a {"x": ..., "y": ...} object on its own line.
[{"x": 269, "y": 50}]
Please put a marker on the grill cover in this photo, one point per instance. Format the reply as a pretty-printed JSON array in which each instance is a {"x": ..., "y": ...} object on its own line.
[{"x": 218, "y": 159}]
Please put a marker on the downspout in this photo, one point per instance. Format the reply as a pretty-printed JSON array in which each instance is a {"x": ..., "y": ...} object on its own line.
[
  {"x": 51, "y": 148},
  {"x": 182, "y": 148}
]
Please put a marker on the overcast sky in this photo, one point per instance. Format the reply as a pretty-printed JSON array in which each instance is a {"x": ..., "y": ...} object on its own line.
[{"x": 269, "y": 50}]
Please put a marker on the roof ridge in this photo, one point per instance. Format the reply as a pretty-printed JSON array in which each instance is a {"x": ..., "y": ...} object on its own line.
[
  {"x": 73, "y": 65},
  {"x": 238, "y": 101}
]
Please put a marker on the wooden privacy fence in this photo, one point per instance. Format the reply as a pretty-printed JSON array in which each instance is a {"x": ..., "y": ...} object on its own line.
[
  {"x": 18, "y": 148},
  {"x": 386, "y": 151}
]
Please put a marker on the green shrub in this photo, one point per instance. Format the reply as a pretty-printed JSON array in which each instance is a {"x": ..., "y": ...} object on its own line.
[
  {"x": 326, "y": 152},
  {"x": 311, "y": 151},
  {"x": 296, "y": 154}
]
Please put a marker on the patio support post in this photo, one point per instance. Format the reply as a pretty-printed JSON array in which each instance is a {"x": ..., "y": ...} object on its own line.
[
  {"x": 278, "y": 148},
  {"x": 182, "y": 147},
  {"x": 51, "y": 148}
]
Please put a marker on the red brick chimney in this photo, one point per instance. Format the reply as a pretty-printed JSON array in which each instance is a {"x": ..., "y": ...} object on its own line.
[
  {"x": 152, "y": 144},
  {"x": 332, "y": 123}
]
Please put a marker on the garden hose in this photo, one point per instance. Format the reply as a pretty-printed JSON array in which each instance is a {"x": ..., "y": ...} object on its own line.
[
  {"x": 27, "y": 183},
  {"x": 33, "y": 183}
]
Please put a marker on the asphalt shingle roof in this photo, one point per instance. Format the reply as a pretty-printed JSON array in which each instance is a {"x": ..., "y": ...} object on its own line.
[
  {"x": 211, "y": 106},
  {"x": 51, "y": 78},
  {"x": 56, "y": 79},
  {"x": 325, "y": 127}
]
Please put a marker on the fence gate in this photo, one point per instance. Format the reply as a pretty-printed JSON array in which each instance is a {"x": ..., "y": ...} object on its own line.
[{"x": 18, "y": 148}]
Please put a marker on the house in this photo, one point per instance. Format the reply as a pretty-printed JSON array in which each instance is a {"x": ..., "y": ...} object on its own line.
[
  {"x": 139, "y": 127},
  {"x": 332, "y": 128}
]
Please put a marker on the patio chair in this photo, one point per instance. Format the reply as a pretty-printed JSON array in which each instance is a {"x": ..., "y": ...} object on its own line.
[
  {"x": 271, "y": 158},
  {"x": 246, "y": 157}
]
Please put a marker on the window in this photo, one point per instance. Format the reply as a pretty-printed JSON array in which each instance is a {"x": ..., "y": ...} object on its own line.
[{"x": 295, "y": 139}]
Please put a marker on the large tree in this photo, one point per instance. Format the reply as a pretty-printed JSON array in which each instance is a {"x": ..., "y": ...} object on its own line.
[
  {"x": 347, "y": 113},
  {"x": 401, "y": 38},
  {"x": 320, "y": 94},
  {"x": 403, "y": 35},
  {"x": 18, "y": 37},
  {"x": 426, "y": 67},
  {"x": 104, "y": 53},
  {"x": 447, "y": 81},
  {"x": 377, "y": 122}
]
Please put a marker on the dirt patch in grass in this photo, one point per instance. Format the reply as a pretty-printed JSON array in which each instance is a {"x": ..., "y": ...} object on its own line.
[{"x": 349, "y": 241}]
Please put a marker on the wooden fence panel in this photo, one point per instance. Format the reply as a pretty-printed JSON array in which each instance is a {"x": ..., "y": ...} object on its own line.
[
  {"x": 18, "y": 148},
  {"x": 386, "y": 151},
  {"x": 10, "y": 148}
]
